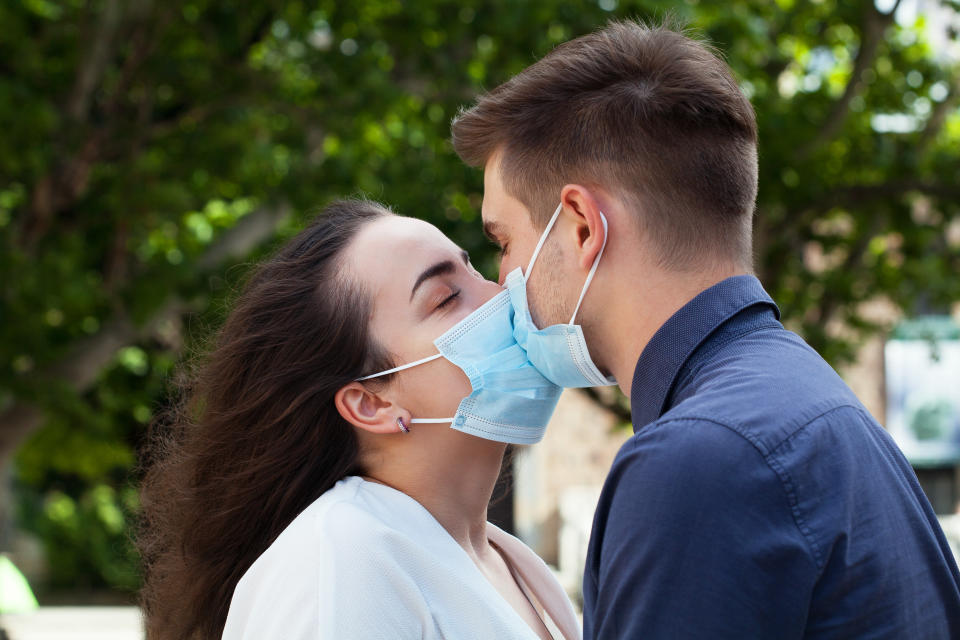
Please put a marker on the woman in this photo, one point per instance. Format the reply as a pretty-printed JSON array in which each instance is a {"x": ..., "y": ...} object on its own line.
[{"x": 312, "y": 489}]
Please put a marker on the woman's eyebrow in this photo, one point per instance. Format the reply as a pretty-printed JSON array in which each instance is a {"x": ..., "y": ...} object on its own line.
[{"x": 443, "y": 268}]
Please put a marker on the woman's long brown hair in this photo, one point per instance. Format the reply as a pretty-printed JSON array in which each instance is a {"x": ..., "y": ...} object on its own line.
[{"x": 254, "y": 437}]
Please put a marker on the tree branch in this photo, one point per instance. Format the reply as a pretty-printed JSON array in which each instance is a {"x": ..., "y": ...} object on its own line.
[
  {"x": 94, "y": 65},
  {"x": 938, "y": 117},
  {"x": 777, "y": 62},
  {"x": 830, "y": 303},
  {"x": 60, "y": 187},
  {"x": 84, "y": 362},
  {"x": 849, "y": 195},
  {"x": 854, "y": 194},
  {"x": 68, "y": 179},
  {"x": 871, "y": 36},
  {"x": 886, "y": 190}
]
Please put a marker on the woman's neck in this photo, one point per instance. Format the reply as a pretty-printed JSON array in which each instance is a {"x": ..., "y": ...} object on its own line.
[{"x": 452, "y": 477}]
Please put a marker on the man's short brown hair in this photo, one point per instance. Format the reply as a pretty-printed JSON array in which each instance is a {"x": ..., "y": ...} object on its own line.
[{"x": 646, "y": 112}]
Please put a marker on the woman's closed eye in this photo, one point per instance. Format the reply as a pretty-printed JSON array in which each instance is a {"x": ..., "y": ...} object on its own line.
[{"x": 446, "y": 301}]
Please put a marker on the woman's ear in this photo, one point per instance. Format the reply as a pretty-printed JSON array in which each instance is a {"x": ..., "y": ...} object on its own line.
[
  {"x": 366, "y": 410},
  {"x": 588, "y": 226}
]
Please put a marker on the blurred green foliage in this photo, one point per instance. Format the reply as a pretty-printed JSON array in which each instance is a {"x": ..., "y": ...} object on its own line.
[{"x": 136, "y": 134}]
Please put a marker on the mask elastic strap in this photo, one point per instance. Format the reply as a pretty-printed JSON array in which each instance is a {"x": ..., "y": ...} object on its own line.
[
  {"x": 401, "y": 367},
  {"x": 543, "y": 238},
  {"x": 407, "y": 366},
  {"x": 593, "y": 268}
]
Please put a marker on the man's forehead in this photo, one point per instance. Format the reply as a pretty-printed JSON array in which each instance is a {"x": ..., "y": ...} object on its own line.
[
  {"x": 493, "y": 189},
  {"x": 495, "y": 199},
  {"x": 491, "y": 168}
]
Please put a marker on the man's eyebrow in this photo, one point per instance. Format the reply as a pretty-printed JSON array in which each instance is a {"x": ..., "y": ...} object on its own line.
[
  {"x": 492, "y": 230},
  {"x": 439, "y": 269}
]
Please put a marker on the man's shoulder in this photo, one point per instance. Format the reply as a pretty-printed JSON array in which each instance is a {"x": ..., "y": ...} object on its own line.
[
  {"x": 824, "y": 449},
  {"x": 686, "y": 478},
  {"x": 689, "y": 452},
  {"x": 765, "y": 386},
  {"x": 745, "y": 449}
]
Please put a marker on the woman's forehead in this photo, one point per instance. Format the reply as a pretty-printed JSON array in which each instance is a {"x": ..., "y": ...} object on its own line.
[{"x": 394, "y": 249}]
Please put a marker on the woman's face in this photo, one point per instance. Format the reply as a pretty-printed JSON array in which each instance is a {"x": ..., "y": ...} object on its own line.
[{"x": 420, "y": 284}]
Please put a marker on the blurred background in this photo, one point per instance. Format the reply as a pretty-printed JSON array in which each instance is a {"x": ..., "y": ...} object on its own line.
[{"x": 150, "y": 152}]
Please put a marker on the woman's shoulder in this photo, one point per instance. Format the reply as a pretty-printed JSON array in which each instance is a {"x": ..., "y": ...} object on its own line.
[
  {"x": 325, "y": 568},
  {"x": 353, "y": 514},
  {"x": 356, "y": 522},
  {"x": 345, "y": 509}
]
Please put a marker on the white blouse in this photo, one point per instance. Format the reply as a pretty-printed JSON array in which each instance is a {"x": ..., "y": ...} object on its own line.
[{"x": 366, "y": 561}]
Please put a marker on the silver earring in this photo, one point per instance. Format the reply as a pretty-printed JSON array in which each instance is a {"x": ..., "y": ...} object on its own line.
[{"x": 404, "y": 428}]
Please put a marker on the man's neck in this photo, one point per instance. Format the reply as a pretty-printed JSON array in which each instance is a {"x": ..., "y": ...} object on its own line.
[{"x": 638, "y": 305}]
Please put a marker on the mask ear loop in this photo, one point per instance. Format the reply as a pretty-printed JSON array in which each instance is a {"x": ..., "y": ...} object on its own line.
[
  {"x": 593, "y": 268},
  {"x": 401, "y": 367},
  {"x": 400, "y": 423},
  {"x": 543, "y": 238}
]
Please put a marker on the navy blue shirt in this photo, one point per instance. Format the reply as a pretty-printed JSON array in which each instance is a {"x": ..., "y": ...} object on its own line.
[{"x": 758, "y": 498}]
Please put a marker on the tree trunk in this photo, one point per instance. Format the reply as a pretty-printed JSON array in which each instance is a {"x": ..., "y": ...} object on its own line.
[{"x": 83, "y": 364}]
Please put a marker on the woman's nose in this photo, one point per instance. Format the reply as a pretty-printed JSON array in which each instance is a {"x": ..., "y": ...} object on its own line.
[{"x": 487, "y": 289}]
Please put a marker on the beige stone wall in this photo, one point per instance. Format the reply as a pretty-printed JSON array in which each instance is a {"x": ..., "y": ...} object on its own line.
[
  {"x": 866, "y": 374},
  {"x": 576, "y": 453},
  {"x": 866, "y": 377}
]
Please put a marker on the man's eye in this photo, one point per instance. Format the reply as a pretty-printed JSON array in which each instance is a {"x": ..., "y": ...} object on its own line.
[{"x": 448, "y": 299}]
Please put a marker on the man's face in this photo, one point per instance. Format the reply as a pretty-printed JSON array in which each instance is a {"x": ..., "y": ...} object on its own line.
[{"x": 507, "y": 222}]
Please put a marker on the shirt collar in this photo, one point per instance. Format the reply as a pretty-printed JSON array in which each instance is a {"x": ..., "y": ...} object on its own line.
[{"x": 681, "y": 335}]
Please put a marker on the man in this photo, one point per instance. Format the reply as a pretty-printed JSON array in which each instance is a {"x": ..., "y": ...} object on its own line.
[{"x": 757, "y": 497}]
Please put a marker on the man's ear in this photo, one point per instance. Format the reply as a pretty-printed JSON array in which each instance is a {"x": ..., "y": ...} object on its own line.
[
  {"x": 367, "y": 410},
  {"x": 589, "y": 233}
]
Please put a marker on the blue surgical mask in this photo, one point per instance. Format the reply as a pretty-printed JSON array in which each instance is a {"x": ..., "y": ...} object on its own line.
[
  {"x": 511, "y": 401},
  {"x": 560, "y": 350}
]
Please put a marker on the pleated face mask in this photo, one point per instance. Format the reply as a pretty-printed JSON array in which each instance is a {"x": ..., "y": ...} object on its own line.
[
  {"x": 560, "y": 350},
  {"x": 511, "y": 400}
]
